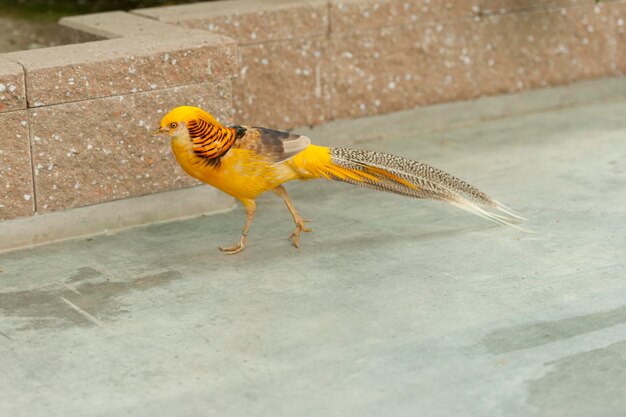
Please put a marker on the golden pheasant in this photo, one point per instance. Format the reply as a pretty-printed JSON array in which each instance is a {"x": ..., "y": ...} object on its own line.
[{"x": 246, "y": 161}]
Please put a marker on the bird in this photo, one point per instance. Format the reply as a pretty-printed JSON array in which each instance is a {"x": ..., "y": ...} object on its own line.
[{"x": 247, "y": 161}]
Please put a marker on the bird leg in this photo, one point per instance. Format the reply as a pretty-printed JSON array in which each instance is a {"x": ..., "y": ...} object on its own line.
[
  {"x": 298, "y": 220},
  {"x": 250, "y": 206}
]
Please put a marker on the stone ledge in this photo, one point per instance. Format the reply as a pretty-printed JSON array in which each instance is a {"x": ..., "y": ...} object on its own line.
[
  {"x": 249, "y": 21},
  {"x": 117, "y": 24},
  {"x": 358, "y": 15},
  {"x": 12, "y": 88},
  {"x": 121, "y": 66},
  {"x": 112, "y": 216},
  {"x": 361, "y": 15},
  {"x": 514, "y": 6}
]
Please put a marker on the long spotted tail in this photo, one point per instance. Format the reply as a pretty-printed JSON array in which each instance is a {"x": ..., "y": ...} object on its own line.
[{"x": 399, "y": 175}]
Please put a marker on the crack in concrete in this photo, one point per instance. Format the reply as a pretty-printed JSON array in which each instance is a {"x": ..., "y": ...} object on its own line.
[
  {"x": 530, "y": 335},
  {"x": 89, "y": 303}
]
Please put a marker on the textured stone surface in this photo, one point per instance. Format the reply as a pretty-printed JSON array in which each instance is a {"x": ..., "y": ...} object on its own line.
[
  {"x": 113, "y": 216},
  {"x": 12, "y": 91},
  {"x": 618, "y": 20},
  {"x": 388, "y": 55},
  {"x": 357, "y": 15},
  {"x": 100, "y": 150},
  {"x": 283, "y": 84},
  {"x": 527, "y": 50},
  {"x": 395, "y": 68},
  {"x": 116, "y": 24},
  {"x": 16, "y": 177},
  {"x": 508, "y": 6},
  {"x": 126, "y": 65},
  {"x": 249, "y": 20}
]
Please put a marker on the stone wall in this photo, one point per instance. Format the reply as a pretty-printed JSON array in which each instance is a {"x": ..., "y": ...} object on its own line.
[
  {"x": 77, "y": 118},
  {"x": 306, "y": 62}
]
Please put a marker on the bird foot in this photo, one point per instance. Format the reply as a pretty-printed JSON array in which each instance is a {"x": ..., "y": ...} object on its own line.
[
  {"x": 295, "y": 236},
  {"x": 231, "y": 250}
]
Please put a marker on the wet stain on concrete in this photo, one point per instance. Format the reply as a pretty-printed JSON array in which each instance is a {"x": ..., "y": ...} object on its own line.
[
  {"x": 531, "y": 335},
  {"x": 79, "y": 305},
  {"x": 586, "y": 384},
  {"x": 84, "y": 273}
]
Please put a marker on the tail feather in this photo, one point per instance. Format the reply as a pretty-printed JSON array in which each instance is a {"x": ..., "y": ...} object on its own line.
[{"x": 395, "y": 174}]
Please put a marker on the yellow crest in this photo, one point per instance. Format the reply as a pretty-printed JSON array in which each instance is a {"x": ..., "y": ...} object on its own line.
[{"x": 187, "y": 114}]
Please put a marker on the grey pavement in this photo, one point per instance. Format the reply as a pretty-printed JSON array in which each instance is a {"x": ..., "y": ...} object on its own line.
[{"x": 391, "y": 306}]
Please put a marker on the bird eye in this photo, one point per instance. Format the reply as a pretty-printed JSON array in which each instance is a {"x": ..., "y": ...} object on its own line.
[{"x": 173, "y": 125}]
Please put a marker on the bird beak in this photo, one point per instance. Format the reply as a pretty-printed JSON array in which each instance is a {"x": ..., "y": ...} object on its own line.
[{"x": 160, "y": 131}]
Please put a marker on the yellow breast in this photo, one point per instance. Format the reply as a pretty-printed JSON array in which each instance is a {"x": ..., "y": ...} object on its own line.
[{"x": 241, "y": 173}]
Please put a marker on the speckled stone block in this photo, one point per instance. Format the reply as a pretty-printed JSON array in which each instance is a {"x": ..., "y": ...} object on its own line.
[
  {"x": 283, "y": 84},
  {"x": 508, "y": 6},
  {"x": 400, "y": 67},
  {"x": 100, "y": 150},
  {"x": 12, "y": 92},
  {"x": 617, "y": 16},
  {"x": 528, "y": 50},
  {"x": 16, "y": 178},
  {"x": 127, "y": 65},
  {"x": 117, "y": 24},
  {"x": 249, "y": 21},
  {"x": 359, "y": 15}
]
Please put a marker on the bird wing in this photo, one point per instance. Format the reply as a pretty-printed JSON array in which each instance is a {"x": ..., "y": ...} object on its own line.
[{"x": 275, "y": 145}]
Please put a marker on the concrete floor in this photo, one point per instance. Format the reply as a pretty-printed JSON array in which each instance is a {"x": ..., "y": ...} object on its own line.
[{"x": 391, "y": 307}]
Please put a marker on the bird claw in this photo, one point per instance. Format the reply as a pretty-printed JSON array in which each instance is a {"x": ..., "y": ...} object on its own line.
[
  {"x": 295, "y": 236},
  {"x": 231, "y": 250}
]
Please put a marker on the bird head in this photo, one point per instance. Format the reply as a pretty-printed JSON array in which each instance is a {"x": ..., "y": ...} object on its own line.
[{"x": 176, "y": 122}]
